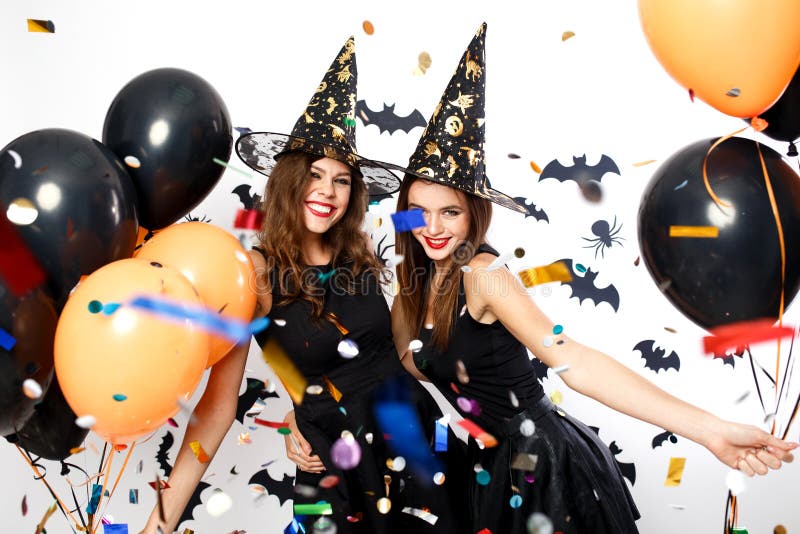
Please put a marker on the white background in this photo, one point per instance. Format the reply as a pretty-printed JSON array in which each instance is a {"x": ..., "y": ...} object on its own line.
[{"x": 601, "y": 92}]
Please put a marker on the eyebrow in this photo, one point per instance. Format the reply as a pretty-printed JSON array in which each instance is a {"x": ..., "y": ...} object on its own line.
[
  {"x": 321, "y": 170},
  {"x": 412, "y": 206}
]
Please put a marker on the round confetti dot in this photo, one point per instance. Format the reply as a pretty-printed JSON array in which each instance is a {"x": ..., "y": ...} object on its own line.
[
  {"x": 85, "y": 421},
  {"x": 384, "y": 505},
  {"x": 461, "y": 372},
  {"x": 95, "y": 306},
  {"x": 527, "y": 427},
  {"x": 592, "y": 191},
  {"x": 735, "y": 481},
  {"x": 466, "y": 268},
  {"x": 511, "y": 155},
  {"x": 348, "y": 349},
  {"x": 284, "y": 431},
  {"x": 329, "y": 481},
  {"x": 369, "y": 29},
  {"x": 398, "y": 464},
  {"x": 21, "y": 211},
  {"x": 345, "y": 453},
  {"x": 218, "y": 503},
  {"x": 368, "y": 438},
  {"x": 477, "y": 468},
  {"x": 519, "y": 252},
  {"x": 513, "y": 399},
  {"x": 280, "y": 322},
  {"x": 475, "y": 407},
  {"x": 556, "y": 397},
  {"x": 132, "y": 162},
  {"x": 438, "y": 478},
  {"x": 515, "y": 501},
  {"x": 464, "y": 404},
  {"x": 119, "y": 397},
  {"x": 580, "y": 268},
  {"x": 323, "y": 525},
  {"x": 424, "y": 60},
  {"x": 557, "y": 329},
  {"x": 483, "y": 477},
  {"x": 567, "y": 35},
  {"x": 529, "y": 478},
  {"x": 539, "y": 524},
  {"x": 156, "y": 265},
  {"x": 415, "y": 345},
  {"x": 428, "y": 326},
  {"x": 779, "y": 529},
  {"x": 547, "y": 341},
  {"x": 31, "y": 388},
  {"x": 314, "y": 389}
]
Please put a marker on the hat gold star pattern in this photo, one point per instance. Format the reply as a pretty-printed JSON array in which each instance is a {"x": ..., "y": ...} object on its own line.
[
  {"x": 450, "y": 151},
  {"x": 327, "y": 128}
]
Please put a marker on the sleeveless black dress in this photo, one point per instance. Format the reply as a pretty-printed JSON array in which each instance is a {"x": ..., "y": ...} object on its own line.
[
  {"x": 575, "y": 481},
  {"x": 312, "y": 346}
]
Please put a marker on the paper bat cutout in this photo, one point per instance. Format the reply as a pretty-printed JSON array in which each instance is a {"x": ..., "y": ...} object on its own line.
[
  {"x": 282, "y": 489},
  {"x": 387, "y": 120},
  {"x": 162, "y": 458},
  {"x": 583, "y": 287},
  {"x": 654, "y": 358},
  {"x": 728, "y": 357},
  {"x": 540, "y": 368},
  {"x": 255, "y": 390},
  {"x": 579, "y": 172},
  {"x": 532, "y": 210},
  {"x": 251, "y": 202},
  {"x": 628, "y": 470},
  {"x": 660, "y": 439},
  {"x": 194, "y": 500}
]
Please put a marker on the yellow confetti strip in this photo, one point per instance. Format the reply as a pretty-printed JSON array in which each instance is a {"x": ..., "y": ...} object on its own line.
[
  {"x": 50, "y": 511},
  {"x": 675, "y": 472},
  {"x": 294, "y": 382},
  {"x": 567, "y": 35},
  {"x": 556, "y": 397},
  {"x": 555, "y": 272},
  {"x": 198, "y": 451},
  {"x": 536, "y": 168},
  {"x": 693, "y": 231},
  {"x": 335, "y": 393},
  {"x": 643, "y": 163},
  {"x": 41, "y": 26}
]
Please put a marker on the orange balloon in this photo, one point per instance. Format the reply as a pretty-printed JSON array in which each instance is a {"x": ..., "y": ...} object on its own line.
[
  {"x": 128, "y": 369},
  {"x": 216, "y": 264},
  {"x": 749, "y": 48}
]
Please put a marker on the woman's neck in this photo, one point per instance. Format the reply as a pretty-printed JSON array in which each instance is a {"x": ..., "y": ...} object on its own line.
[{"x": 315, "y": 252}]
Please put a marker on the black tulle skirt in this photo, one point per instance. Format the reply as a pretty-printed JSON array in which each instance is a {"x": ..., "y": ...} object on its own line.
[{"x": 576, "y": 483}]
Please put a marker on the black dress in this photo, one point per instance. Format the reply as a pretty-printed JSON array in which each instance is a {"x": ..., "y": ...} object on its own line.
[
  {"x": 575, "y": 481},
  {"x": 312, "y": 346}
]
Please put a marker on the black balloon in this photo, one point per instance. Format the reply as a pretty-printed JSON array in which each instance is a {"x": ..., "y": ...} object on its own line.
[
  {"x": 51, "y": 432},
  {"x": 784, "y": 115},
  {"x": 736, "y": 276},
  {"x": 82, "y": 198},
  {"x": 174, "y": 123},
  {"x": 30, "y": 319}
]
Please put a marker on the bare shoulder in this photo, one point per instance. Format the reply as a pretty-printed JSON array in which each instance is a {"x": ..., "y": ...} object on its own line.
[{"x": 259, "y": 283}]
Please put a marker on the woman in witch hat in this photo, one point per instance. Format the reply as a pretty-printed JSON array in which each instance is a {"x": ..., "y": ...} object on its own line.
[
  {"x": 537, "y": 468},
  {"x": 319, "y": 283}
]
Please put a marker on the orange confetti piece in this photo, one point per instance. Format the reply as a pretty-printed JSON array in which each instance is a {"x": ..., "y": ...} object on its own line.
[
  {"x": 675, "y": 471},
  {"x": 291, "y": 378},
  {"x": 643, "y": 163},
  {"x": 536, "y": 168},
  {"x": 335, "y": 393},
  {"x": 555, "y": 272},
  {"x": 369, "y": 29},
  {"x": 758, "y": 124},
  {"x": 731, "y": 336},
  {"x": 76, "y": 450},
  {"x": 198, "y": 451},
  {"x": 41, "y": 26},
  {"x": 567, "y": 35},
  {"x": 478, "y": 433},
  {"x": 694, "y": 231},
  {"x": 342, "y": 330}
]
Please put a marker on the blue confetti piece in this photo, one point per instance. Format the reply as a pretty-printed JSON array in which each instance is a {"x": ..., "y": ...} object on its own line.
[
  {"x": 119, "y": 397},
  {"x": 91, "y": 507},
  {"x": 110, "y": 308},
  {"x": 115, "y": 528},
  {"x": 483, "y": 477},
  {"x": 440, "y": 444},
  {"x": 557, "y": 329},
  {"x": 207, "y": 319},
  {"x": 399, "y": 420},
  {"x": 580, "y": 268},
  {"x": 323, "y": 277},
  {"x": 515, "y": 501},
  {"x": 408, "y": 220},
  {"x": 7, "y": 341},
  {"x": 133, "y": 496},
  {"x": 681, "y": 185},
  {"x": 294, "y": 527}
]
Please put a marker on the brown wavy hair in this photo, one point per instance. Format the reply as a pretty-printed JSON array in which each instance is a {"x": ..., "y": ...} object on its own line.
[
  {"x": 415, "y": 272},
  {"x": 281, "y": 234}
]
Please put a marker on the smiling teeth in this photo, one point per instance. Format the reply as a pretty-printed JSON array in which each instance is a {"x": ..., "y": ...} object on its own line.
[
  {"x": 319, "y": 207},
  {"x": 437, "y": 241}
]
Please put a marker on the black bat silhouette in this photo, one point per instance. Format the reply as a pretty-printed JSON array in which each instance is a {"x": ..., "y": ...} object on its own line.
[
  {"x": 387, "y": 120},
  {"x": 583, "y": 287},
  {"x": 660, "y": 439},
  {"x": 655, "y": 359},
  {"x": 540, "y": 368},
  {"x": 162, "y": 458},
  {"x": 250, "y": 202},
  {"x": 728, "y": 357},
  {"x": 194, "y": 500},
  {"x": 255, "y": 390},
  {"x": 579, "y": 172},
  {"x": 283, "y": 489},
  {"x": 532, "y": 210},
  {"x": 628, "y": 470}
]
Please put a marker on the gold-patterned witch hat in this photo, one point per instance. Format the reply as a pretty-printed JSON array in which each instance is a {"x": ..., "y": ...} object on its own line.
[
  {"x": 327, "y": 127},
  {"x": 451, "y": 150}
]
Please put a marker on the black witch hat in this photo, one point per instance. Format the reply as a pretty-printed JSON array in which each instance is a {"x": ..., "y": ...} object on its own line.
[{"x": 327, "y": 127}]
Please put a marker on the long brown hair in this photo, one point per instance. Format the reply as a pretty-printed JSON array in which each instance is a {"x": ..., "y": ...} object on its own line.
[
  {"x": 416, "y": 270},
  {"x": 282, "y": 231}
]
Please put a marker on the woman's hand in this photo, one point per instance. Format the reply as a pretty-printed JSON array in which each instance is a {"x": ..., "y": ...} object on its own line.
[
  {"x": 298, "y": 450},
  {"x": 748, "y": 448}
]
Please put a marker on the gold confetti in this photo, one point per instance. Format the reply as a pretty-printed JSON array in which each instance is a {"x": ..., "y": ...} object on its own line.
[
  {"x": 567, "y": 35},
  {"x": 41, "y": 26},
  {"x": 424, "y": 61},
  {"x": 377, "y": 222},
  {"x": 670, "y": 330},
  {"x": 694, "y": 231},
  {"x": 244, "y": 438},
  {"x": 643, "y": 163},
  {"x": 556, "y": 397},
  {"x": 335, "y": 393},
  {"x": 675, "y": 471},
  {"x": 555, "y": 272},
  {"x": 384, "y": 505},
  {"x": 198, "y": 451},
  {"x": 536, "y": 168},
  {"x": 369, "y": 29},
  {"x": 76, "y": 450},
  {"x": 335, "y": 320},
  {"x": 291, "y": 378}
]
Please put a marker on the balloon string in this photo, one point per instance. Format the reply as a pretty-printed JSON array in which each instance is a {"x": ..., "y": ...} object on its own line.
[
  {"x": 64, "y": 509},
  {"x": 718, "y": 201},
  {"x": 107, "y": 470},
  {"x": 778, "y": 224},
  {"x": 119, "y": 476}
]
